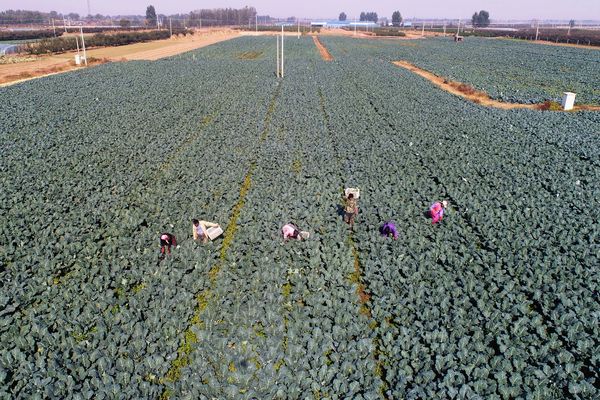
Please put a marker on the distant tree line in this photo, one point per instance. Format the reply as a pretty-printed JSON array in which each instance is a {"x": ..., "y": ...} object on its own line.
[
  {"x": 369, "y": 16},
  {"x": 22, "y": 17},
  {"x": 221, "y": 17},
  {"x": 481, "y": 19},
  {"x": 396, "y": 18},
  {"x": 372, "y": 17}
]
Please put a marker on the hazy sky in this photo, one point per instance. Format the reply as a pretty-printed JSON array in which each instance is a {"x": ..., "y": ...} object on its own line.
[{"x": 499, "y": 9}]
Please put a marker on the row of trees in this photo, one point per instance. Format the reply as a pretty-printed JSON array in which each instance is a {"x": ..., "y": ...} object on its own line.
[
  {"x": 372, "y": 17},
  {"x": 23, "y": 17},
  {"x": 481, "y": 19},
  {"x": 206, "y": 17}
]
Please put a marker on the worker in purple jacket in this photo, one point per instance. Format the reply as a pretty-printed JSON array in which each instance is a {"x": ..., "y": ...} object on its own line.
[{"x": 389, "y": 229}]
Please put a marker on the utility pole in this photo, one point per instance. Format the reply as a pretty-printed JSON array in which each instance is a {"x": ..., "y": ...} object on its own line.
[
  {"x": 282, "y": 50},
  {"x": 298, "y": 28},
  {"x": 444, "y": 28},
  {"x": 53, "y": 27},
  {"x": 83, "y": 45},
  {"x": 170, "y": 27},
  {"x": 537, "y": 31},
  {"x": 78, "y": 58},
  {"x": 423, "y": 29}
]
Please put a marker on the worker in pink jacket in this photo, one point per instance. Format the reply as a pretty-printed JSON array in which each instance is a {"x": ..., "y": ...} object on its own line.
[
  {"x": 290, "y": 231},
  {"x": 436, "y": 211}
]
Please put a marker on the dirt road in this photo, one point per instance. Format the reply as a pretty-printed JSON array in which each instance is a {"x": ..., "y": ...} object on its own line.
[{"x": 48, "y": 65}]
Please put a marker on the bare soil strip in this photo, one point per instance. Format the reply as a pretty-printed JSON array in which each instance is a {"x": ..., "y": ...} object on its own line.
[
  {"x": 468, "y": 92},
  {"x": 325, "y": 54}
]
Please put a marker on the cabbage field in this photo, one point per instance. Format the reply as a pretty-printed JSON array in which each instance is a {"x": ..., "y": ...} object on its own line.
[
  {"x": 499, "y": 301},
  {"x": 515, "y": 72}
]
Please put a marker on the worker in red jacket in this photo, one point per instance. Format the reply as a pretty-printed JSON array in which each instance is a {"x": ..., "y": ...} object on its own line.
[
  {"x": 436, "y": 211},
  {"x": 166, "y": 241}
]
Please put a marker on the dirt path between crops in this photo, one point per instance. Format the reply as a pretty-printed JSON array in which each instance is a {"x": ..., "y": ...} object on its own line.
[
  {"x": 325, "y": 54},
  {"x": 468, "y": 92},
  {"x": 40, "y": 66}
]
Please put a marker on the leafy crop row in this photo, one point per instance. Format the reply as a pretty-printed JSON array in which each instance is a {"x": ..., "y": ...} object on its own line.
[
  {"x": 498, "y": 301},
  {"x": 510, "y": 71}
]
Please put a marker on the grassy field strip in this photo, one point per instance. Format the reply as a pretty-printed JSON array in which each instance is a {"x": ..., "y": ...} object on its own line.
[
  {"x": 204, "y": 298},
  {"x": 467, "y": 92}
]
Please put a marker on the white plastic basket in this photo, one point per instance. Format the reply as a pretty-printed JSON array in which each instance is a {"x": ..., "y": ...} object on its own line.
[
  {"x": 214, "y": 232},
  {"x": 354, "y": 191}
]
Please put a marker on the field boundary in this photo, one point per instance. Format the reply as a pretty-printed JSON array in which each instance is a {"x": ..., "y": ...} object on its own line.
[
  {"x": 325, "y": 54},
  {"x": 467, "y": 92},
  {"x": 47, "y": 65}
]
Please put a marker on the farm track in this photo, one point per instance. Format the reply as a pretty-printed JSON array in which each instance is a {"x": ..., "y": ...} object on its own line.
[
  {"x": 325, "y": 54},
  {"x": 205, "y": 299},
  {"x": 538, "y": 308},
  {"x": 478, "y": 97},
  {"x": 148, "y": 51}
]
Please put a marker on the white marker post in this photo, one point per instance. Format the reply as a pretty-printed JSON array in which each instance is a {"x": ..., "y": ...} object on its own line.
[
  {"x": 83, "y": 45},
  {"x": 77, "y": 56},
  {"x": 282, "y": 51}
]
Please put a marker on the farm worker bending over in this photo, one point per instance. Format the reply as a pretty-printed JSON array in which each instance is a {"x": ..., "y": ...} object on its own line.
[
  {"x": 389, "y": 229},
  {"x": 199, "y": 229},
  {"x": 290, "y": 231},
  {"x": 166, "y": 241},
  {"x": 350, "y": 209},
  {"x": 436, "y": 211}
]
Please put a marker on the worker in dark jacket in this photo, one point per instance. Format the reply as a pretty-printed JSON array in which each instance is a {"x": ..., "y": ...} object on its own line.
[
  {"x": 350, "y": 209},
  {"x": 389, "y": 229},
  {"x": 166, "y": 241}
]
